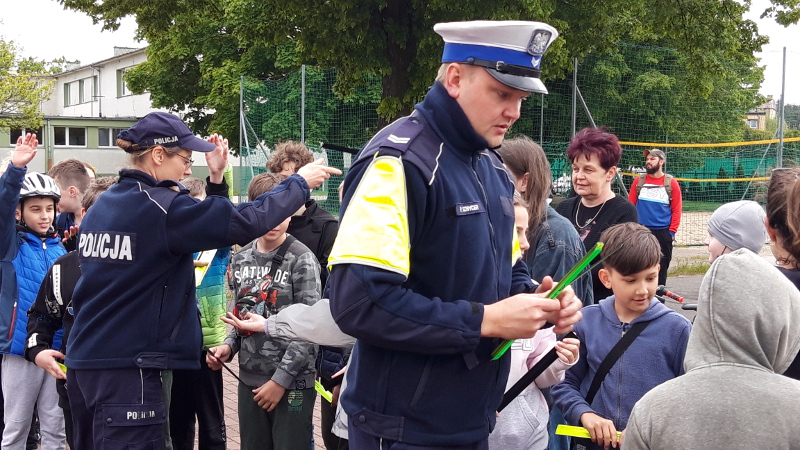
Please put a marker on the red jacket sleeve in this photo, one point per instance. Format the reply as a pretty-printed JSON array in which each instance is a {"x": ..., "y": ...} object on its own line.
[
  {"x": 676, "y": 206},
  {"x": 633, "y": 195}
]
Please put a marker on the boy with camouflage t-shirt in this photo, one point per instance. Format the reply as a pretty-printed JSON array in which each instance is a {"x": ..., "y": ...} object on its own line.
[{"x": 276, "y": 396}]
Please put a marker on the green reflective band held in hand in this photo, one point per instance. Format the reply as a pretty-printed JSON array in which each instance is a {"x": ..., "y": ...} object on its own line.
[
  {"x": 327, "y": 395},
  {"x": 573, "y": 274},
  {"x": 580, "y": 432}
]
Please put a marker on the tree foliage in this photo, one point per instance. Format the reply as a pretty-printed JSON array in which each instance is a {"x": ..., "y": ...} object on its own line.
[
  {"x": 23, "y": 85},
  {"x": 199, "y": 48},
  {"x": 791, "y": 114}
]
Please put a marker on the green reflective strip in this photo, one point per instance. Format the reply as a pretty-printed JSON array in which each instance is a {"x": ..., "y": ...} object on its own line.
[
  {"x": 573, "y": 274},
  {"x": 327, "y": 395}
]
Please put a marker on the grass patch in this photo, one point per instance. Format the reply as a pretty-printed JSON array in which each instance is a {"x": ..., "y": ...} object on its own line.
[
  {"x": 700, "y": 206},
  {"x": 695, "y": 265}
]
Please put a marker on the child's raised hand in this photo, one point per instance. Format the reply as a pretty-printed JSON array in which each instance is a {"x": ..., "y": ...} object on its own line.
[
  {"x": 601, "y": 430},
  {"x": 70, "y": 234},
  {"x": 25, "y": 150},
  {"x": 567, "y": 350}
]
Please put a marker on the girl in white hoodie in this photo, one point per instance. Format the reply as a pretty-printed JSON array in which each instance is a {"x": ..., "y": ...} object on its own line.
[{"x": 523, "y": 423}]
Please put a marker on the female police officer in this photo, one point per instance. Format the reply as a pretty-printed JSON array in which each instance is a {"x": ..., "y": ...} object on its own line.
[{"x": 135, "y": 306}]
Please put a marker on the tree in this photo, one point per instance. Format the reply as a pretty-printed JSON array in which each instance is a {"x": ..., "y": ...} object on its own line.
[
  {"x": 791, "y": 114},
  {"x": 23, "y": 85},
  {"x": 203, "y": 46}
]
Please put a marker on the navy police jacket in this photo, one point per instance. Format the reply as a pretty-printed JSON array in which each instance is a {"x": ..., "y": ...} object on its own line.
[
  {"x": 425, "y": 241},
  {"x": 135, "y": 306}
]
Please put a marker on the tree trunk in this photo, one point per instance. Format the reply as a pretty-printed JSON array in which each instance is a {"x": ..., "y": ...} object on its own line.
[{"x": 401, "y": 47}]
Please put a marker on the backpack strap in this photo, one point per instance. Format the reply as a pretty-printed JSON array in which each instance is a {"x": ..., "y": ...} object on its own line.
[
  {"x": 277, "y": 258},
  {"x": 277, "y": 261},
  {"x": 668, "y": 186},
  {"x": 612, "y": 357},
  {"x": 639, "y": 184}
]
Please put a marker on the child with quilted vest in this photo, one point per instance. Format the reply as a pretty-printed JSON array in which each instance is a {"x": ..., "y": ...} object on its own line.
[{"x": 29, "y": 247}]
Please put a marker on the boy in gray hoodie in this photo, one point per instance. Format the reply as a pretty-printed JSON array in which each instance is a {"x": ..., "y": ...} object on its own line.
[{"x": 744, "y": 335}]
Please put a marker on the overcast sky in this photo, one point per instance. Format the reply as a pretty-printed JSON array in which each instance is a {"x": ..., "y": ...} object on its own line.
[{"x": 45, "y": 30}]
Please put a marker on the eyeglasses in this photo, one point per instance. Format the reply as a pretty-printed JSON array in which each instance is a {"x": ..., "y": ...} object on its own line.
[{"x": 186, "y": 161}]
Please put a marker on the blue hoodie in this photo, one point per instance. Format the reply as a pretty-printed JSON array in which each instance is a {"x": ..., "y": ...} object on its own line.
[{"x": 653, "y": 358}]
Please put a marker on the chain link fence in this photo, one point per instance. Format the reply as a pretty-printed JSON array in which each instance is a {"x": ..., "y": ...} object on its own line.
[{"x": 718, "y": 143}]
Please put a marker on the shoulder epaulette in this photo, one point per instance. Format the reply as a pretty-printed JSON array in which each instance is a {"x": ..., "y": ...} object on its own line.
[{"x": 397, "y": 139}]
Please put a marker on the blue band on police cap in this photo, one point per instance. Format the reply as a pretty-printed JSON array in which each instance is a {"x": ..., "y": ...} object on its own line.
[{"x": 461, "y": 52}]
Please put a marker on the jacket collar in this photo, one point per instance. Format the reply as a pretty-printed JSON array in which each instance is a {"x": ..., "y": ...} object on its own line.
[
  {"x": 448, "y": 120},
  {"x": 137, "y": 175}
]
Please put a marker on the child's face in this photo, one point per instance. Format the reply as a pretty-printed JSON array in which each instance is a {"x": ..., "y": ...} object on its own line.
[
  {"x": 277, "y": 232},
  {"x": 38, "y": 213},
  {"x": 69, "y": 203},
  {"x": 632, "y": 292},
  {"x": 715, "y": 248},
  {"x": 521, "y": 224},
  {"x": 289, "y": 168}
]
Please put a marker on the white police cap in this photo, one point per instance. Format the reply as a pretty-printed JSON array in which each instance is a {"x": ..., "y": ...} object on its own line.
[{"x": 511, "y": 50}]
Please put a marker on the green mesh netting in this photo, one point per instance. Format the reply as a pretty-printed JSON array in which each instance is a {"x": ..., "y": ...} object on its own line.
[{"x": 642, "y": 94}]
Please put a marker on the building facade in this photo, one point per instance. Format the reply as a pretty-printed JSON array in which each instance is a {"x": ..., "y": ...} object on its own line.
[{"x": 87, "y": 108}]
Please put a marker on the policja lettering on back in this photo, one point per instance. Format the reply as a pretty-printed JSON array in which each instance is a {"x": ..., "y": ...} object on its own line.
[{"x": 107, "y": 246}]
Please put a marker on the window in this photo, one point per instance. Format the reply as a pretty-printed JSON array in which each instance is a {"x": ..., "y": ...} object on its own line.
[
  {"x": 122, "y": 86},
  {"x": 81, "y": 91},
  {"x": 107, "y": 137},
  {"x": 752, "y": 123},
  {"x": 15, "y": 133},
  {"x": 69, "y": 136}
]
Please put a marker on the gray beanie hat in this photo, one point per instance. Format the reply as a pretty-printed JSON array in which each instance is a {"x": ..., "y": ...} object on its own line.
[{"x": 738, "y": 225}]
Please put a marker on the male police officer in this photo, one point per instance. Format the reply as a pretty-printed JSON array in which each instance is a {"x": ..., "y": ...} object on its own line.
[
  {"x": 657, "y": 196},
  {"x": 423, "y": 268}
]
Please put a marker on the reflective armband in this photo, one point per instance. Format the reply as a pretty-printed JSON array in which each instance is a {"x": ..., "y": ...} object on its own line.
[{"x": 374, "y": 229}]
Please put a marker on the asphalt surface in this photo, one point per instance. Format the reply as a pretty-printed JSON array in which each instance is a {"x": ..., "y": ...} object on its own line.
[{"x": 688, "y": 287}]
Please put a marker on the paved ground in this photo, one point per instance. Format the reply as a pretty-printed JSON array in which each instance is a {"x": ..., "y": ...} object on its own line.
[{"x": 688, "y": 286}]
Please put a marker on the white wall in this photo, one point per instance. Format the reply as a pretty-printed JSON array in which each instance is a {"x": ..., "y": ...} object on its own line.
[{"x": 108, "y": 104}]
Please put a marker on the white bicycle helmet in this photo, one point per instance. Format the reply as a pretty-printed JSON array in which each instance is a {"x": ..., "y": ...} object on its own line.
[{"x": 39, "y": 185}]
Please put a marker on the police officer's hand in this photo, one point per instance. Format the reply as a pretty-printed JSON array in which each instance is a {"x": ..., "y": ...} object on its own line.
[
  {"x": 217, "y": 159},
  {"x": 316, "y": 173},
  {"x": 518, "y": 317},
  {"x": 268, "y": 395},
  {"x": 217, "y": 354},
  {"x": 25, "y": 150},
  {"x": 569, "y": 312},
  {"x": 46, "y": 359}
]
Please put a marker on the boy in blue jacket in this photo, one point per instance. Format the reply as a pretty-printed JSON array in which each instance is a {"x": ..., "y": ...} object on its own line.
[
  {"x": 29, "y": 246},
  {"x": 655, "y": 356}
]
